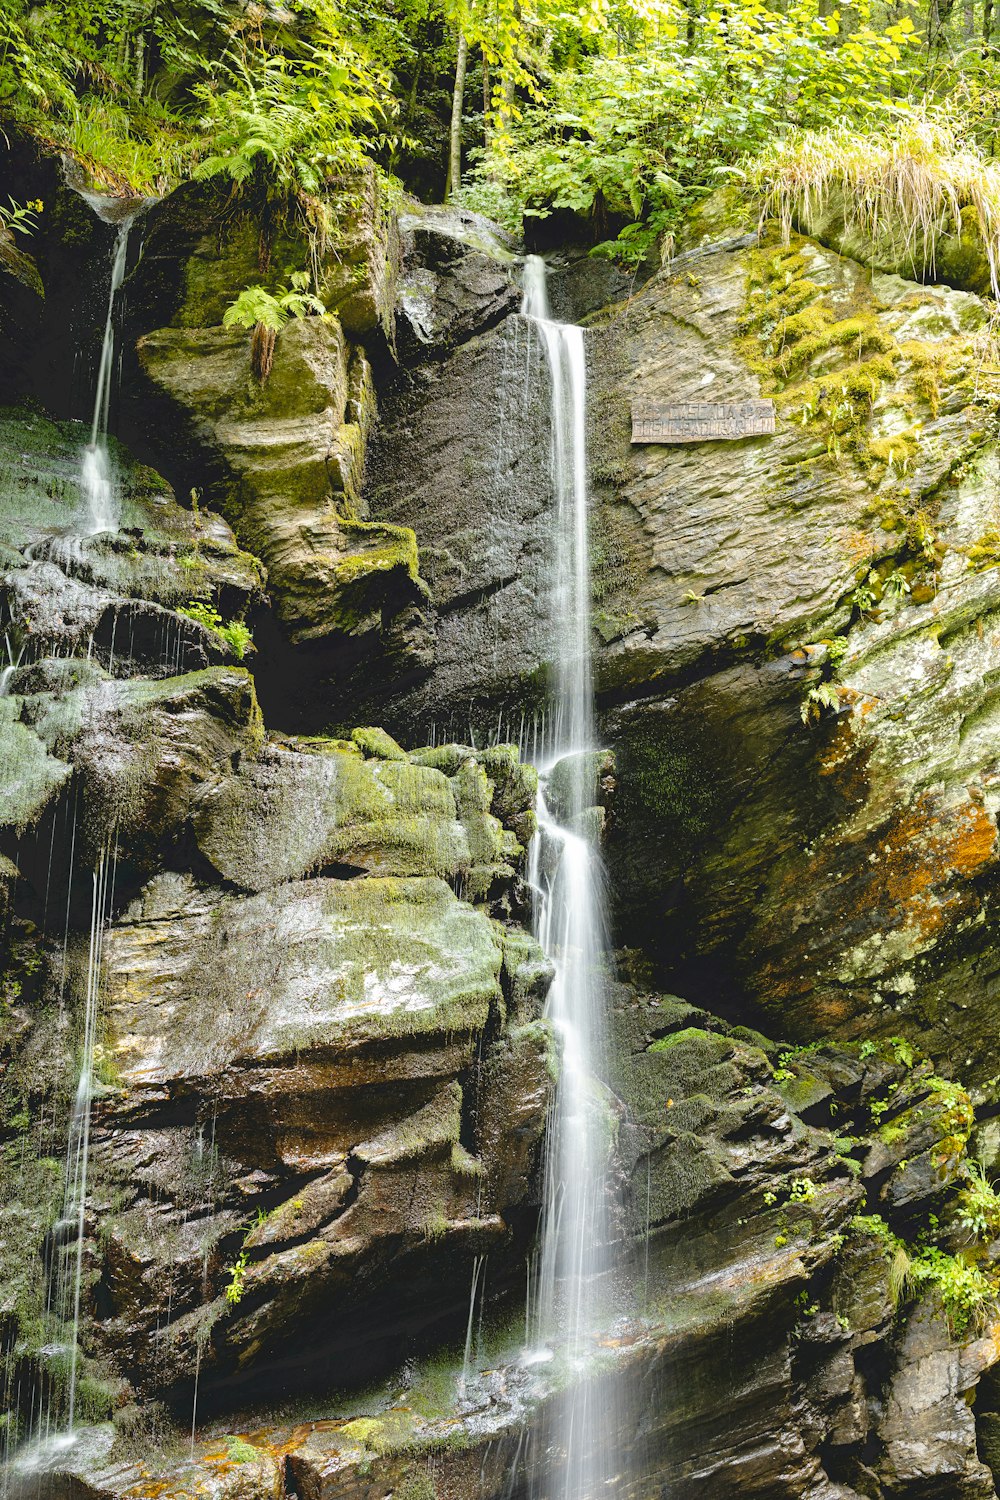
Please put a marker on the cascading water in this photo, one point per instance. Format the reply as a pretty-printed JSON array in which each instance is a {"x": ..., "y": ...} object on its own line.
[
  {"x": 52, "y": 1429},
  {"x": 95, "y": 466},
  {"x": 576, "y": 1257},
  {"x": 78, "y": 1146}
]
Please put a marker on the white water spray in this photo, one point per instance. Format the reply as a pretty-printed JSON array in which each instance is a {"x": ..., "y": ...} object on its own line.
[
  {"x": 13, "y": 651},
  {"x": 96, "y": 477},
  {"x": 576, "y": 1257}
]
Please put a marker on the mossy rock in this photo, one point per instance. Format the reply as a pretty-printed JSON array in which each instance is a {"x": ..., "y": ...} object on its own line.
[{"x": 378, "y": 744}]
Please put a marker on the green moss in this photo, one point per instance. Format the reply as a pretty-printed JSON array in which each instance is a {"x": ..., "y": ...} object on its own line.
[
  {"x": 667, "y": 784},
  {"x": 418, "y": 1485},
  {"x": 778, "y": 287},
  {"x": 798, "y": 340},
  {"x": 385, "y": 553},
  {"x": 786, "y": 330},
  {"x": 378, "y": 744},
  {"x": 30, "y": 777},
  {"x": 828, "y": 370},
  {"x": 985, "y": 551},
  {"x": 239, "y": 1451},
  {"x": 897, "y": 453},
  {"x": 707, "y": 1040},
  {"x": 393, "y": 546}
]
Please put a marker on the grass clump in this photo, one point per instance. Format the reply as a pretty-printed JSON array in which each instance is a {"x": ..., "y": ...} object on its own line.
[{"x": 904, "y": 189}]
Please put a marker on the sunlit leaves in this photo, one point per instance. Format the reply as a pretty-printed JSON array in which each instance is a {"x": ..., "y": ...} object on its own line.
[{"x": 645, "y": 127}]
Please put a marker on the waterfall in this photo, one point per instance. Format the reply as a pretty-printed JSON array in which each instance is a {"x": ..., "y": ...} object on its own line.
[
  {"x": 576, "y": 1256},
  {"x": 95, "y": 465}
]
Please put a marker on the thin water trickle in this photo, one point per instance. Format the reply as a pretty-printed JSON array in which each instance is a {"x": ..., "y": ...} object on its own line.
[
  {"x": 477, "y": 1267},
  {"x": 78, "y": 1146},
  {"x": 576, "y": 1251},
  {"x": 13, "y": 650},
  {"x": 96, "y": 477}
]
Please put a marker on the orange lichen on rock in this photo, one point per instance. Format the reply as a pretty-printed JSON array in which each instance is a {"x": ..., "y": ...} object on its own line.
[
  {"x": 914, "y": 863},
  {"x": 898, "y": 887}
]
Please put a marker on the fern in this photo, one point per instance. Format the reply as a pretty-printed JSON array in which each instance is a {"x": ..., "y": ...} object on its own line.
[{"x": 256, "y": 306}]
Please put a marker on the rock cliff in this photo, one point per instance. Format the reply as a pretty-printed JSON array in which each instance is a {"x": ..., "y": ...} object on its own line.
[{"x": 322, "y": 1072}]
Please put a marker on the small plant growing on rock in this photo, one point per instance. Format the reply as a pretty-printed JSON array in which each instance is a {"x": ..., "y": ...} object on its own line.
[
  {"x": 237, "y": 1272},
  {"x": 236, "y": 633},
  {"x": 20, "y": 218},
  {"x": 825, "y": 695},
  {"x": 267, "y": 313},
  {"x": 978, "y": 1204},
  {"x": 967, "y": 1293},
  {"x": 864, "y": 597},
  {"x": 902, "y": 1051}
]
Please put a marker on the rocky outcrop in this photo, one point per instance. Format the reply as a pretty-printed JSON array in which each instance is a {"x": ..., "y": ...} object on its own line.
[
  {"x": 853, "y": 545},
  {"x": 307, "y": 1080},
  {"x": 321, "y": 1076},
  {"x": 299, "y": 1119},
  {"x": 82, "y": 614},
  {"x": 284, "y": 457},
  {"x": 769, "y": 1356},
  {"x": 457, "y": 278}
]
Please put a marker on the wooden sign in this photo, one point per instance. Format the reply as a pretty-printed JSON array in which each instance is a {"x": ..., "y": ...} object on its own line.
[{"x": 702, "y": 421}]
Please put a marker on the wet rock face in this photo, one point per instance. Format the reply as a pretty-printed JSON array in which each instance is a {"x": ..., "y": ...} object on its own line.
[
  {"x": 84, "y": 617},
  {"x": 458, "y": 456},
  {"x": 321, "y": 1076},
  {"x": 836, "y": 872},
  {"x": 791, "y": 1181},
  {"x": 774, "y": 1354}
]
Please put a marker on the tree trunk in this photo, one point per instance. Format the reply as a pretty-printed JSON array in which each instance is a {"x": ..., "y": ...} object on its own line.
[
  {"x": 987, "y": 25},
  {"x": 454, "y": 181},
  {"x": 487, "y": 102}
]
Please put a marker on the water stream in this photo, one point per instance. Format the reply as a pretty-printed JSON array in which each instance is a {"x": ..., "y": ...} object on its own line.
[
  {"x": 576, "y": 1258},
  {"x": 12, "y": 656}
]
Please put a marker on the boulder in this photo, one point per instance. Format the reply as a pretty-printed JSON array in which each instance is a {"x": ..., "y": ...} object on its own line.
[{"x": 456, "y": 280}]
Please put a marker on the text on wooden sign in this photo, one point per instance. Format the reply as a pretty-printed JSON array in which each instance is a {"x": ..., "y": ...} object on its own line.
[{"x": 702, "y": 421}]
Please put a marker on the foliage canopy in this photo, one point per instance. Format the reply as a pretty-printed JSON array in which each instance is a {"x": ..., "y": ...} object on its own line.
[{"x": 625, "y": 111}]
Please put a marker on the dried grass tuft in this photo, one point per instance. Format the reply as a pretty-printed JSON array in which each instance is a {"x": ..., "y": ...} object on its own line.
[{"x": 906, "y": 190}]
